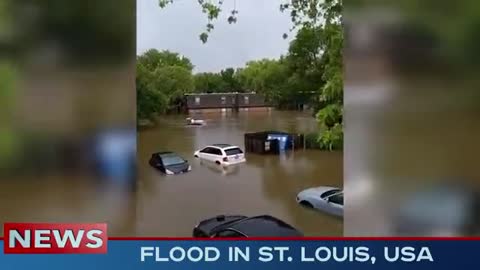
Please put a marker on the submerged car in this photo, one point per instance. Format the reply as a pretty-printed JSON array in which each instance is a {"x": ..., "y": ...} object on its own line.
[
  {"x": 195, "y": 122},
  {"x": 169, "y": 163},
  {"x": 221, "y": 154},
  {"x": 326, "y": 199},
  {"x": 243, "y": 226}
]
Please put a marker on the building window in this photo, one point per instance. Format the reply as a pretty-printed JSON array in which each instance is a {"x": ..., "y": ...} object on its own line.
[
  {"x": 224, "y": 100},
  {"x": 246, "y": 99},
  {"x": 197, "y": 100}
]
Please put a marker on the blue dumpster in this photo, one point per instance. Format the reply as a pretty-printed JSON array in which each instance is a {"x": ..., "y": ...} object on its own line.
[
  {"x": 272, "y": 142},
  {"x": 283, "y": 141}
]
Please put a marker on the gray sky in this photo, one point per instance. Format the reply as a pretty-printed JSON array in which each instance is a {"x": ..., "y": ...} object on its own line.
[{"x": 257, "y": 33}]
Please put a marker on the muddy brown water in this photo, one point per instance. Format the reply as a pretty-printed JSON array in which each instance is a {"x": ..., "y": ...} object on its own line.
[{"x": 172, "y": 205}]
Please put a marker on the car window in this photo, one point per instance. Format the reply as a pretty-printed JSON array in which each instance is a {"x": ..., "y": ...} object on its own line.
[
  {"x": 337, "y": 198},
  {"x": 206, "y": 150},
  {"x": 216, "y": 151},
  {"x": 233, "y": 151},
  {"x": 172, "y": 160},
  {"x": 229, "y": 233},
  {"x": 328, "y": 193}
]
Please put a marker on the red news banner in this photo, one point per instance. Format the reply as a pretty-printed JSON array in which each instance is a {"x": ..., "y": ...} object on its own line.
[{"x": 44, "y": 238}]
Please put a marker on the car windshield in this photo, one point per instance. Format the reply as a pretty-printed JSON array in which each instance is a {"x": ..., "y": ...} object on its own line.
[
  {"x": 169, "y": 160},
  {"x": 330, "y": 192},
  {"x": 337, "y": 198},
  {"x": 233, "y": 151}
]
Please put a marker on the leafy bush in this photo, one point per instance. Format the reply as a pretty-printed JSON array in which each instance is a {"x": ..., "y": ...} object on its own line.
[{"x": 331, "y": 139}]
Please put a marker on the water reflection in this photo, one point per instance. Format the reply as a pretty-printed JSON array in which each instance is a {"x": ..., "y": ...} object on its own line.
[
  {"x": 230, "y": 170},
  {"x": 171, "y": 206}
]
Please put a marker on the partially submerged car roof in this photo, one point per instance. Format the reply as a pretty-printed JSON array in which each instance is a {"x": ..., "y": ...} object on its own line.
[
  {"x": 219, "y": 222},
  {"x": 165, "y": 153},
  {"x": 260, "y": 226}
]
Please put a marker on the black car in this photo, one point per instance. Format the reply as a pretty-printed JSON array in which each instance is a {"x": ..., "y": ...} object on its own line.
[
  {"x": 242, "y": 226},
  {"x": 169, "y": 163}
]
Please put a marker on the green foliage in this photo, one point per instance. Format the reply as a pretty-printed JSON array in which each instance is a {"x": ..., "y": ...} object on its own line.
[
  {"x": 153, "y": 59},
  {"x": 208, "y": 82},
  {"x": 267, "y": 77},
  {"x": 173, "y": 82},
  {"x": 149, "y": 100},
  {"x": 330, "y": 115},
  {"x": 332, "y": 138},
  {"x": 225, "y": 81},
  {"x": 305, "y": 51},
  {"x": 229, "y": 78},
  {"x": 162, "y": 79}
]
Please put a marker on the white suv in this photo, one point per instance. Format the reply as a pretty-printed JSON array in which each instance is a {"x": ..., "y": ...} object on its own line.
[{"x": 222, "y": 154}]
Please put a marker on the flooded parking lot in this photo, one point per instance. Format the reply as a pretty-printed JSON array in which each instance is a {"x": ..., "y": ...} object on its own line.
[{"x": 172, "y": 205}]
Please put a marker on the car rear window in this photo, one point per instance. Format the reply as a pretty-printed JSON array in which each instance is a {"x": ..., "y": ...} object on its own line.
[{"x": 233, "y": 151}]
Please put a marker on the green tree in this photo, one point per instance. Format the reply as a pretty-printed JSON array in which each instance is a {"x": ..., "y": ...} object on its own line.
[
  {"x": 304, "y": 61},
  {"x": 265, "y": 76},
  {"x": 153, "y": 59},
  {"x": 224, "y": 81},
  {"x": 162, "y": 79},
  {"x": 150, "y": 101},
  {"x": 174, "y": 82},
  {"x": 305, "y": 52},
  {"x": 331, "y": 136},
  {"x": 208, "y": 82},
  {"x": 230, "y": 80}
]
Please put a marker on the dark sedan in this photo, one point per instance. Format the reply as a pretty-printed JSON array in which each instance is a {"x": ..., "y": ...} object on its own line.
[
  {"x": 242, "y": 226},
  {"x": 169, "y": 163}
]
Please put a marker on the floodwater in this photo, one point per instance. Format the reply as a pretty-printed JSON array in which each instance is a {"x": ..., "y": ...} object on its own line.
[{"x": 173, "y": 205}]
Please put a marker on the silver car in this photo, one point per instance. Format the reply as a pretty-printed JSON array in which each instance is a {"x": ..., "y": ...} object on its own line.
[{"x": 325, "y": 199}]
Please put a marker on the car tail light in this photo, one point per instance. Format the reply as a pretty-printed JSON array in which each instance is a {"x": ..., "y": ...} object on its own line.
[{"x": 225, "y": 159}]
